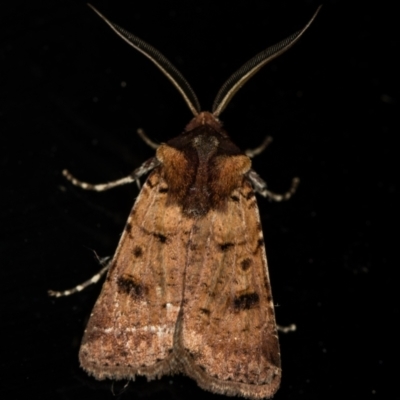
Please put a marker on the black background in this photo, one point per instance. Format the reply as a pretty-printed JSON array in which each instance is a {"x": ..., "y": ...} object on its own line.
[{"x": 331, "y": 105}]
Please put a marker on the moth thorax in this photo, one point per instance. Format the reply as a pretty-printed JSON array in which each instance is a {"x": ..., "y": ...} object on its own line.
[{"x": 206, "y": 146}]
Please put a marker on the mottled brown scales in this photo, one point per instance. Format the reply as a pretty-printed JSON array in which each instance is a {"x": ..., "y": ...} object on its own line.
[
  {"x": 188, "y": 287},
  {"x": 195, "y": 286},
  {"x": 126, "y": 322}
]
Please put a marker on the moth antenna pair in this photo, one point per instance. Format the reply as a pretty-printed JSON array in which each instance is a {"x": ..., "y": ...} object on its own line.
[
  {"x": 225, "y": 94},
  {"x": 233, "y": 83}
]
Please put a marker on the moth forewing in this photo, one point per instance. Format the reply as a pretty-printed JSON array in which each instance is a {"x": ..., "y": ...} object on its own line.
[
  {"x": 131, "y": 328},
  {"x": 187, "y": 289},
  {"x": 227, "y": 334}
]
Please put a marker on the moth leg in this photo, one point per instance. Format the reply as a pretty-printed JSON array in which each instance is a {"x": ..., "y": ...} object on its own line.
[
  {"x": 146, "y": 139},
  {"x": 146, "y": 167},
  {"x": 149, "y": 142},
  {"x": 287, "y": 329},
  {"x": 260, "y": 187},
  {"x": 80, "y": 287},
  {"x": 258, "y": 150}
]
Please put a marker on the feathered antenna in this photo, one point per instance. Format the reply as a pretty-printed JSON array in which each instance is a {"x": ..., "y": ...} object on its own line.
[
  {"x": 229, "y": 88},
  {"x": 159, "y": 60},
  {"x": 251, "y": 67}
]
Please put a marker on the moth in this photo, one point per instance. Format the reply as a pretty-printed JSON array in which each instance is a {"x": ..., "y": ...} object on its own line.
[{"x": 187, "y": 289}]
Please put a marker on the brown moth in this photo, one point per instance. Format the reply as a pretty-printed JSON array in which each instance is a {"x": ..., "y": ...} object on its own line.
[{"x": 187, "y": 289}]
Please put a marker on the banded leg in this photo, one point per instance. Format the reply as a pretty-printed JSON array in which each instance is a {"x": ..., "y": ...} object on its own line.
[
  {"x": 287, "y": 329},
  {"x": 260, "y": 187},
  {"x": 105, "y": 262},
  {"x": 146, "y": 167}
]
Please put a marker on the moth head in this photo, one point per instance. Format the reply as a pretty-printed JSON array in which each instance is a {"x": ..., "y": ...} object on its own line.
[
  {"x": 204, "y": 118},
  {"x": 229, "y": 88}
]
